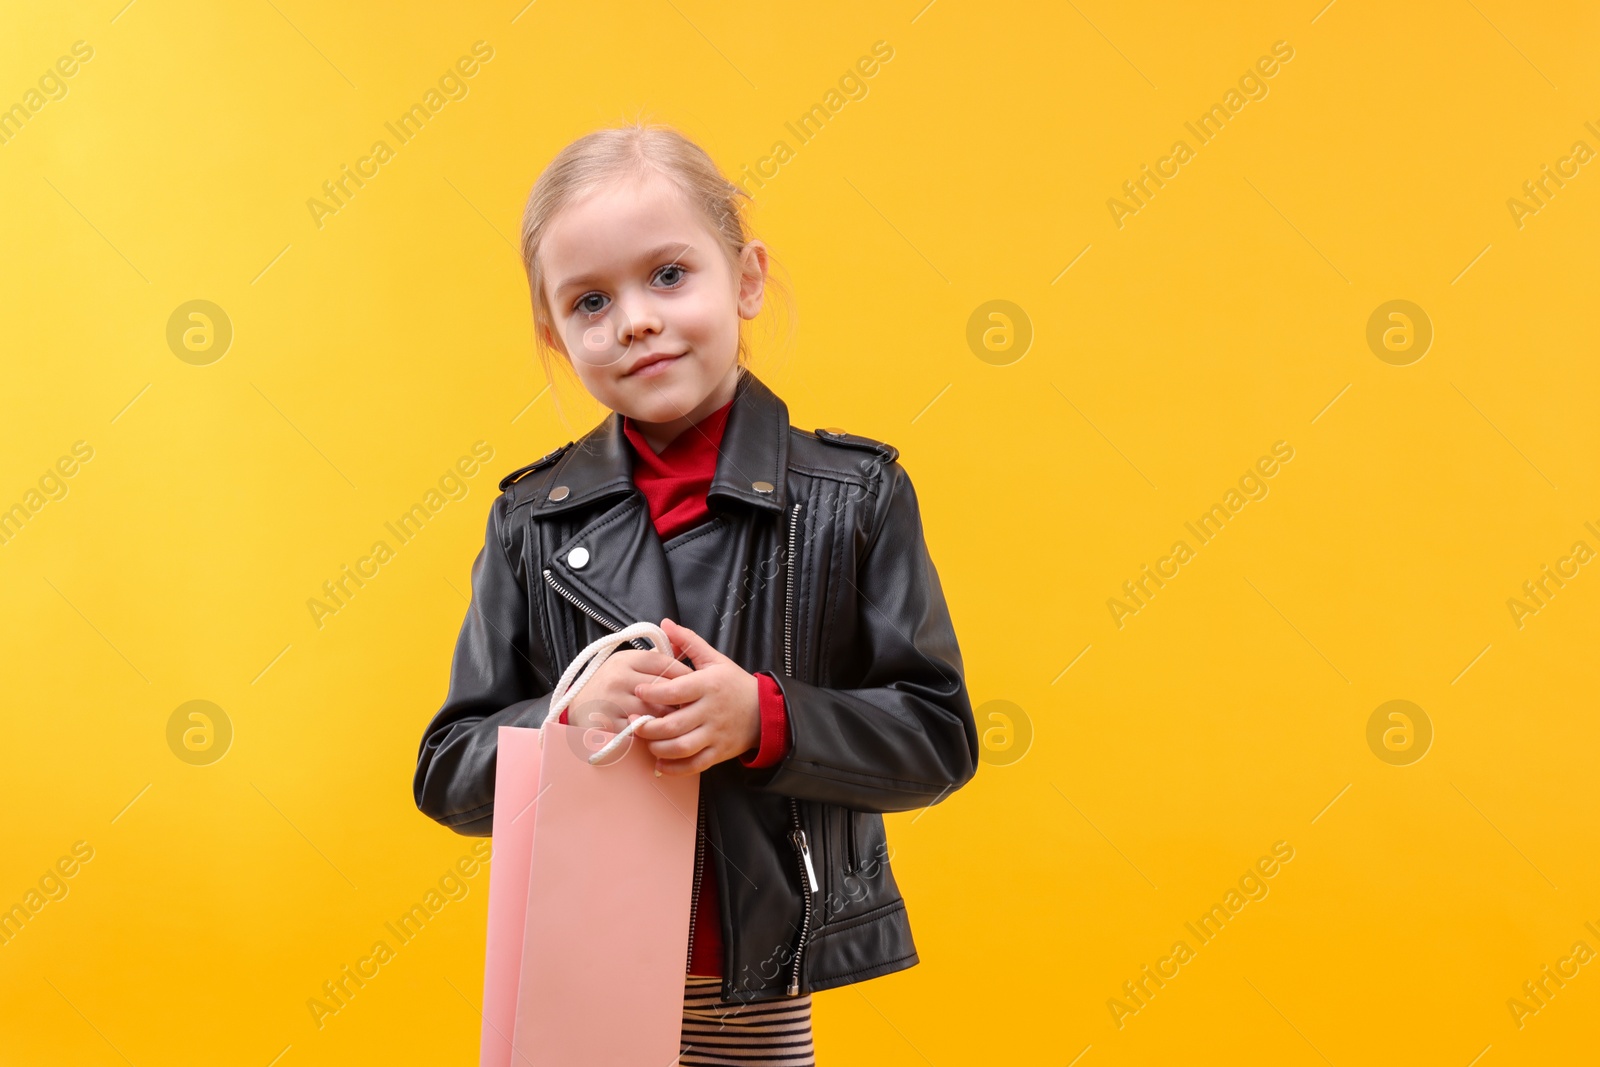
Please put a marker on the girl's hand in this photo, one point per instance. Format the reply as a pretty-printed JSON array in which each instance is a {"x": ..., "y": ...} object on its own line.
[
  {"x": 718, "y": 712},
  {"x": 607, "y": 700}
]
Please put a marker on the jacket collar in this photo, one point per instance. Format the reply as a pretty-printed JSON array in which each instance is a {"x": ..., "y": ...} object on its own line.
[{"x": 751, "y": 462}]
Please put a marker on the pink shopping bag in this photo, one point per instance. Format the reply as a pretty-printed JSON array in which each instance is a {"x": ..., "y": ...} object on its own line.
[{"x": 588, "y": 892}]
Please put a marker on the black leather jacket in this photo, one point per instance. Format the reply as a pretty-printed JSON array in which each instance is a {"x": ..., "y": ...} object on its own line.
[{"x": 815, "y": 569}]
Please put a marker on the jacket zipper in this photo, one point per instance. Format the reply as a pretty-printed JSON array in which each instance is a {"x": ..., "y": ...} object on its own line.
[
  {"x": 797, "y": 833},
  {"x": 788, "y": 599},
  {"x": 808, "y": 877},
  {"x": 700, "y": 820},
  {"x": 580, "y": 605}
]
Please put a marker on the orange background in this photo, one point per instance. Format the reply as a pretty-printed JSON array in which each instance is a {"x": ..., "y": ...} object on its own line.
[{"x": 1138, "y": 771}]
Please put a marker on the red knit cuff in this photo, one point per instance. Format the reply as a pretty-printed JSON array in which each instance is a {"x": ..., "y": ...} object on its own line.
[
  {"x": 562, "y": 718},
  {"x": 774, "y": 743}
]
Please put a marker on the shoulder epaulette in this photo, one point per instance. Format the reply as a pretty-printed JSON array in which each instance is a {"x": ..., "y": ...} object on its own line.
[
  {"x": 835, "y": 436},
  {"x": 539, "y": 464}
]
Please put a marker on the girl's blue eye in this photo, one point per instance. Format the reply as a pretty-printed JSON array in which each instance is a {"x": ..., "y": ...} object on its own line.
[{"x": 583, "y": 308}]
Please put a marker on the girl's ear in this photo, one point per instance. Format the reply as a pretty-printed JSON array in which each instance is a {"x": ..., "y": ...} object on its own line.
[
  {"x": 752, "y": 278},
  {"x": 549, "y": 338}
]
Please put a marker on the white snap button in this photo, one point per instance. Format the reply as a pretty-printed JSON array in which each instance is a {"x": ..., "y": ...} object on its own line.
[{"x": 578, "y": 558}]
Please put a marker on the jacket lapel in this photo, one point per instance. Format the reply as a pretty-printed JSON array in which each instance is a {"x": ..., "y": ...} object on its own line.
[
  {"x": 623, "y": 573},
  {"x": 614, "y": 563}
]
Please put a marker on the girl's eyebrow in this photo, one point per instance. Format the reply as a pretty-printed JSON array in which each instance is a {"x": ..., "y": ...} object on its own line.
[{"x": 676, "y": 248}]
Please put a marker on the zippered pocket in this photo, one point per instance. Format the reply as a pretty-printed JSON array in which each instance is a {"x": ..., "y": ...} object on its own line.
[
  {"x": 839, "y": 858},
  {"x": 852, "y": 855}
]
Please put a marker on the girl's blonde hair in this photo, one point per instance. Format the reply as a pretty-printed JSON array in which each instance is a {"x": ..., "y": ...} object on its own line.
[{"x": 628, "y": 151}]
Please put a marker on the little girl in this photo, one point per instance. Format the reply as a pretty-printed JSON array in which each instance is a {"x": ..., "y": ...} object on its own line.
[{"x": 824, "y": 684}]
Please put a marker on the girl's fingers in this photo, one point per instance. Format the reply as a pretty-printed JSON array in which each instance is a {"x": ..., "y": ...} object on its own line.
[
  {"x": 670, "y": 725},
  {"x": 655, "y": 664},
  {"x": 656, "y": 669},
  {"x": 679, "y": 690},
  {"x": 693, "y": 765},
  {"x": 684, "y": 746},
  {"x": 673, "y": 669},
  {"x": 697, "y": 648}
]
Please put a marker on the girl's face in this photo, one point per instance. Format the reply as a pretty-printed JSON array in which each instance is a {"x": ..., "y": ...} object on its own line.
[{"x": 633, "y": 274}]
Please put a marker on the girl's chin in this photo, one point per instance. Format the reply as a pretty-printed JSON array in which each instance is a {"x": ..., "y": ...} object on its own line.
[
  {"x": 667, "y": 396},
  {"x": 656, "y": 406}
]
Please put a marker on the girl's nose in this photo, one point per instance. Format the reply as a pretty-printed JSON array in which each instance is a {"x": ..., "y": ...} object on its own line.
[{"x": 637, "y": 318}]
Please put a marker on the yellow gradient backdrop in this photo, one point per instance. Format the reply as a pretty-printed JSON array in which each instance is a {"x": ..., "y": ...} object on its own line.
[{"x": 178, "y": 510}]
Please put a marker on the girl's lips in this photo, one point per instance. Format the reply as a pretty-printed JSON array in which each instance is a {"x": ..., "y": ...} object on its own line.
[{"x": 656, "y": 369}]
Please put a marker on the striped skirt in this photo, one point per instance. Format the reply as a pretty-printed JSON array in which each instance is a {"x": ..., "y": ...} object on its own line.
[{"x": 773, "y": 1033}]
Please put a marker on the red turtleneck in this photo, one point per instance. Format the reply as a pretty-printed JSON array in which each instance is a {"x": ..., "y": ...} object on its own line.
[{"x": 675, "y": 483}]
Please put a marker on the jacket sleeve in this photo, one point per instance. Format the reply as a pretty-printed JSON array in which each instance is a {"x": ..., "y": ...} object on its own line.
[
  {"x": 493, "y": 683},
  {"x": 902, "y": 736}
]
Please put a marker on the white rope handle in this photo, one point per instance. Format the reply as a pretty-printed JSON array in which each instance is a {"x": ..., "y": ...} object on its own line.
[{"x": 583, "y": 667}]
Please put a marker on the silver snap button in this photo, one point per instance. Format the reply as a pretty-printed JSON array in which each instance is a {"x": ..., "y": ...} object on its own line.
[
  {"x": 559, "y": 493},
  {"x": 578, "y": 558},
  {"x": 761, "y": 487}
]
